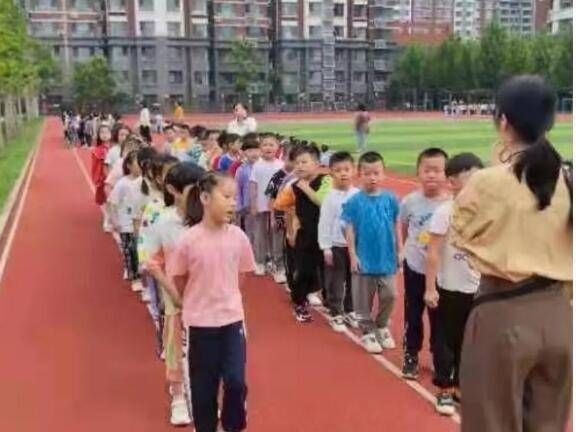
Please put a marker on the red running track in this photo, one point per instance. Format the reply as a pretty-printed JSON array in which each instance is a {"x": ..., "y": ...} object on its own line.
[{"x": 78, "y": 349}]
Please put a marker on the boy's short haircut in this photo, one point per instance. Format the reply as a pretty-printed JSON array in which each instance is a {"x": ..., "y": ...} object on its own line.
[
  {"x": 250, "y": 141},
  {"x": 312, "y": 150},
  {"x": 197, "y": 131},
  {"x": 341, "y": 156},
  {"x": 370, "y": 157},
  {"x": 462, "y": 162},
  {"x": 169, "y": 126},
  {"x": 431, "y": 152},
  {"x": 265, "y": 135},
  {"x": 324, "y": 148},
  {"x": 209, "y": 132},
  {"x": 230, "y": 139}
]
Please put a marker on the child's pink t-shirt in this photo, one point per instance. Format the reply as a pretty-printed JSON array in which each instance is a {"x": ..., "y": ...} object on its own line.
[{"x": 213, "y": 261}]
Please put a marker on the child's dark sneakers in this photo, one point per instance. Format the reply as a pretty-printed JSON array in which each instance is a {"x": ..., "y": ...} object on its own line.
[
  {"x": 410, "y": 367},
  {"x": 302, "y": 314},
  {"x": 445, "y": 403}
]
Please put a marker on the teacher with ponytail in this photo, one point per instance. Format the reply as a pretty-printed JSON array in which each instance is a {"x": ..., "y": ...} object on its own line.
[{"x": 514, "y": 220}]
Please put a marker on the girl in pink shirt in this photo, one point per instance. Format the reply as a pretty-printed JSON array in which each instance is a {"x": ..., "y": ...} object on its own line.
[{"x": 208, "y": 266}]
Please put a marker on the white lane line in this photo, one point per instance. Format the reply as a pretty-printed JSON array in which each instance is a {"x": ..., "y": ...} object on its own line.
[
  {"x": 18, "y": 215},
  {"x": 84, "y": 170}
]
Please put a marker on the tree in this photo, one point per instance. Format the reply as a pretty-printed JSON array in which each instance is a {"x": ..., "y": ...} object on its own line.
[
  {"x": 47, "y": 69},
  {"x": 93, "y": 84},
  {"x": 562, "y": 65},
  {"x": 492, "y": 56},
  {"x": 244, "y": 59},
  {"x": 518, "y": 59}
]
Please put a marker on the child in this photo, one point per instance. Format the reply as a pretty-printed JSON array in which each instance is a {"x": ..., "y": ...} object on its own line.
[
  {"x": 450, "y": 282},
  {"x": 119, "y": 135},
  {"x": 210, "y": 149},
  {"x": 233, "y": 143},
  {"x": 251, "y": 151},
  {"x": 98, "y": 169},
  {"x": 169, "y": 228},
  {"x": 372, "y": 236},
  {"x": 172, "y": 141},
  {"x": 260, "y": 176},
  {"x": 415, "y": 213},
  {"x": 122, "y": 211},
  {"x": 209, "y": 265},
  {"x": 306, "y": 198},
  {"x": 332, "y": 242}
]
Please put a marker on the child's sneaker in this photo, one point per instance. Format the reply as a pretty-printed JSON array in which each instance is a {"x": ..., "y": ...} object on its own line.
[
  {"x": 445, "y": 404},
  {"x": 260, "y": 270},
  {"x": 125, "y": 275},
  {"x": 314, "y": 299},
  {"x": 352, "y": 320},
  {"x": 410, "y": 367},
  {"x": 137, "y": 286},
  {"x": 302, "y": 314},
  {"x": 385, "y": 338},
  {"x": 179, "y": 413},
  {"x": 145, "y": 296},
  {"x": 337, "y": 323},
  {"x": 279, "y": 277},
  {"x": 370, "y": 344}
]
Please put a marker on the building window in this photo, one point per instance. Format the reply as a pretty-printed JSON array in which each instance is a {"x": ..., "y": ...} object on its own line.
[
  {"x": 199, "y": 30},
  {"x": 199, "y": 55},
  {"x": 149, "y": 77},
  {"x": 290, "y": 32},
  {"x": 149, "y": 53},
  {"x": 340, "y": 76},
  {"x": 359, "y": 77},
  {"x": 174, "y": 29},
  {"x": 338, "y": 10},
  {"x": 175, "y": 77},
  {"x": 339, "y": 31},
  {"x": 225, "y": 10},
  {"x": 118, "y": 5},
  {"x": 316, "y": 55},
  {"x": 315, "y": 32},
  {"x": 359, "y": 56},
  {"x": 256, "y": 32},
  {"x": 198, "y": 7},
  {"x": 119, "y": 29},
  {"x": 147, "y": 28},
  {"x": 200, "y": 78},
  {"x": 81, "y": 5},
  {"x": 315, "y": 77},
  {"x": 359, "y": 33},
  {"x": 45, "y": 5},
  {"x": 173, "y": 6},
  {"x": 124, "y": 76},
  {"x": 359, "y": 11},
  {"x": 56, "y": 51},
  {"x": 314, "y": 9},
  {"x": 146, "y": 5},
  {"x": 175, "y": 53},
  {"x": 228, "y": 78},
  {"x": 289, "y": 10},
  {"x": 225, "y": 32}
]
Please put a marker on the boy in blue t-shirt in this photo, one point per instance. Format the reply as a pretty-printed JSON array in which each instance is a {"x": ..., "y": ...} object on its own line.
[{"x": 373, "y": 238}]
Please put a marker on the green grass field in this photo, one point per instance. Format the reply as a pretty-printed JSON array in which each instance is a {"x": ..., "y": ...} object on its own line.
[
  {"x": 400, "y": 141},
  {"x": 14, "y": 154}
]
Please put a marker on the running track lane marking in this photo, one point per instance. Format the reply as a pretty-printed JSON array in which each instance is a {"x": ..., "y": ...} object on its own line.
[
  {"x": 381, "y": 360},
  {"x": 17, "y": 216}
]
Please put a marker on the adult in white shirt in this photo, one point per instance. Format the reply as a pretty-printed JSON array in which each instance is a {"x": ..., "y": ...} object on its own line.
[
  {"x": 242, "y": 124},
  {"x": 145, "y": 123}
]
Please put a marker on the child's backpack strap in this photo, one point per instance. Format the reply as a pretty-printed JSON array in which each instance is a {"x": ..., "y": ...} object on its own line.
[{"x": 567, "y": 173}]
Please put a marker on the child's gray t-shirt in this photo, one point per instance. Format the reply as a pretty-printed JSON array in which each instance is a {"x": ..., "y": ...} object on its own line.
[{"x": 416, "y": 211}]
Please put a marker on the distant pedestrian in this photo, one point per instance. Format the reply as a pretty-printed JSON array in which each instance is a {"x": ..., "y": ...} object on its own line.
[{"x": 362, "y": 128}]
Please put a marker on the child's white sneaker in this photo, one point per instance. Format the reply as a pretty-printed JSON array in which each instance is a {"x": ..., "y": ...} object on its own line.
[
  {"x": 125, "y": 275},
  {"x": 260, "y": 270},
  {"x": 179, "y": 413},
  {"x": 137, "y": 286},
  {"x": 145, "y": 296},
  {"x": 314, "y": 299},
  {"x": 337, "y": 323},
  {"x": 279, "y": 277},
  {"x": 352, "y": 320},
  {"x": 370, "y": 344},
  {"x": 386, "y": 339}
]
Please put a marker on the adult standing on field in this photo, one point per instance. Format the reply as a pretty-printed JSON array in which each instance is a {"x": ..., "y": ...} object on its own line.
[
  {"x": 515, "y": 222},
  {"x": 178, "y": 113},
  {"x": 242, "y": 124},
  {"x": 145, "y": 123},
  {"x": 362, "y": 128}
]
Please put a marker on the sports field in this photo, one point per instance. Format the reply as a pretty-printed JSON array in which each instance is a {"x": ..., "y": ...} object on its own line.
[{"x": 399, "y": 140}]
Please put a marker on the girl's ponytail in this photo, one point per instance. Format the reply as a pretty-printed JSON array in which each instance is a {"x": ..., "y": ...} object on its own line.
[
  {"x": 539, "y": 165},
  {"x": 194, "y": 208}
]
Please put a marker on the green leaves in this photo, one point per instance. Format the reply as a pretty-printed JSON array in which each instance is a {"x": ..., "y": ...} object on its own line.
[
  {"x": 479, "y": 66},
  {"x": 93, "y": 84},
  {"x": 243, "y": 58}
]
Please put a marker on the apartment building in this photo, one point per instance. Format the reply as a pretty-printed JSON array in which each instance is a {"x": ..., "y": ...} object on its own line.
[
  {"x": 560, "y": 16},
  {"x": 472, "y": 16}
]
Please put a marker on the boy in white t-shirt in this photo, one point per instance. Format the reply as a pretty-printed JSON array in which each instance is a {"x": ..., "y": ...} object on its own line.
[
  {"x": 265, "y": 246},
  {"x": 450, "y": 282}
]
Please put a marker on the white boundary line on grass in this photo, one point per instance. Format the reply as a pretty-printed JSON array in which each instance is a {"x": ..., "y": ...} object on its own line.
[{"x": 16, "y": 222}]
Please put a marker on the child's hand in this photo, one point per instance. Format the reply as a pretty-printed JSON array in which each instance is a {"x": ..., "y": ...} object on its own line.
[
  {"x": 431, "y": 298},
  {"x": 328, "y": 258},
  {"x": 304, "y": 186},
  {"x": 354, "y": 264},
  {"x": 253, "y": 210}
]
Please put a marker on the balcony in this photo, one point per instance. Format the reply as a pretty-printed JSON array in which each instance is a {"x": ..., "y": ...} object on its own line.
[
  {"x": 382, "y": 65},
  {"x": 384, "y": 44},
  {"x": 379, "y": 86},
  {"x": 359, "y": 87}
]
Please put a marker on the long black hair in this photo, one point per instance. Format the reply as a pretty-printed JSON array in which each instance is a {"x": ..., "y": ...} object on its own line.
[
  {"x": 145, "y": 156},
  {"x": 194, "y": 207},
  {"x": 528, "y": 103},
  {"x": 179, "y": 176},
  {"x": 159, "y": 161}
]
